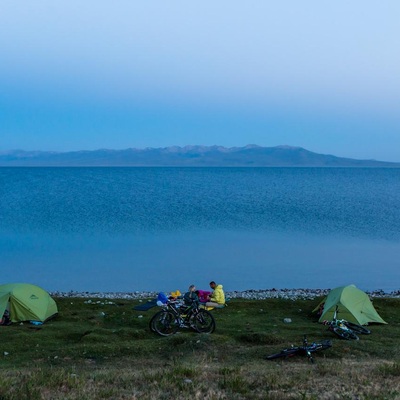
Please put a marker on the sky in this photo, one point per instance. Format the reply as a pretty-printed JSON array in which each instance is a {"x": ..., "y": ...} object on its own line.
[{"x": 84, "y": 75}]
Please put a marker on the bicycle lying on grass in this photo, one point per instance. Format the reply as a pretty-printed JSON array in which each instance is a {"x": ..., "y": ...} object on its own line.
[
  {"x": 305, "y": 350},
  {"x": 345, "y": 329},
  {"x": 175, "y": 314}
]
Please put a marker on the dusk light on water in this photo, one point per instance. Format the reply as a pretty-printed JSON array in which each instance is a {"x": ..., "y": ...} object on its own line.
[{"x": 127, "y": 229}]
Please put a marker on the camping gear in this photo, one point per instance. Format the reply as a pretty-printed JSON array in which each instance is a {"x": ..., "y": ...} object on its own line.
[
  {"x": 162, "y": 298},
  {"x": 5, "y": 320},
  {"x": 146, "y": 306},
  {"x": 176, "y": 294},
  {"x": 203, "y": 295},
  {"x": 352, "y": 304},
  {"x": 159, "y": 301},
  {"x": 26, "y": 302}
]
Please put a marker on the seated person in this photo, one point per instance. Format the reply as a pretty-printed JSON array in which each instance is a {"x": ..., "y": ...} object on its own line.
[
  {"x": 217, "y": 298},
  {"x": 191, "y": 297}
]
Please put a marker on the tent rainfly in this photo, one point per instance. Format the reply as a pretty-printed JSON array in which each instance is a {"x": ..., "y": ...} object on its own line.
[
  {"x": 353, "y": 305},
  {"x": 26, "y": 302}
]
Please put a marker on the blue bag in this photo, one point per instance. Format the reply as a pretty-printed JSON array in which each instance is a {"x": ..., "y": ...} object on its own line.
[{"x": 162, "y": 297}]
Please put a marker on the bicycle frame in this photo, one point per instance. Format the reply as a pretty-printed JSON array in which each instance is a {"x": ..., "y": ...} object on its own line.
[
  {"x": 182, "y": 315},
  {"x": 306, "y": 349},
  {"x": 339, "y": 327},
  {"x": 175, "y": 315}
]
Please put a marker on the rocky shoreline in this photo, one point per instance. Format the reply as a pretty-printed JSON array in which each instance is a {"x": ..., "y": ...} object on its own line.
[{"x": 262, "y": 294}]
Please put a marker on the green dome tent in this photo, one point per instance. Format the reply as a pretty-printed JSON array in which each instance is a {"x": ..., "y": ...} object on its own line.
[
  {"x": 353, "y": 304},
  {"x": 26, "y": 302}
]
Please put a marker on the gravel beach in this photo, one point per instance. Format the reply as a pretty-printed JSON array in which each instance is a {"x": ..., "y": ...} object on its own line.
[{"x": 262, "y": 294}]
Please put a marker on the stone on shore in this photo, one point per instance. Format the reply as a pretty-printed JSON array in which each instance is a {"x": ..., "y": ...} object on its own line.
[{"x": 261, "y": 294}]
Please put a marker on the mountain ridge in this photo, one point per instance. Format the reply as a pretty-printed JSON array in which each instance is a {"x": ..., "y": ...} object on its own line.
[{"x": 250, "y": 155}]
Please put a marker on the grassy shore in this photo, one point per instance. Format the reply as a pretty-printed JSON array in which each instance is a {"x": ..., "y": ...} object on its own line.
[{"x": 105, "y": 350}]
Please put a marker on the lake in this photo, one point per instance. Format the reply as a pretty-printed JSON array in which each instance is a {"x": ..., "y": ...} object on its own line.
[{"x": 128, "y": 229}]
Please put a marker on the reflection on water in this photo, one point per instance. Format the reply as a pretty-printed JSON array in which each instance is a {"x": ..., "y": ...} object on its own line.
[{"x": 239, "y": 260}]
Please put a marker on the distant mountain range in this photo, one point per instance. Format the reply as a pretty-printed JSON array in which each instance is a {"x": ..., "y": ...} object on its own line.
[{"x": 187, "y": 156}]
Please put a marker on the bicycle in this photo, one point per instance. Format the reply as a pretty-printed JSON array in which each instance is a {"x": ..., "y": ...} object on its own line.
[
  {"x": 306, "y": 349},
  {"x": 345, "y": 329},
  {"x": 176, "y": 314}
]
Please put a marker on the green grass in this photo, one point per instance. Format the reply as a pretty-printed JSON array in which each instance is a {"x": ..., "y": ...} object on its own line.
[{"x": 106, "y": 351}]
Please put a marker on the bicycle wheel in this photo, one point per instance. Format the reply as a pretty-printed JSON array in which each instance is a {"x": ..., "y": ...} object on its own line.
[
  {"x": 151, "y": 326},
  {"x": 284, "y": 354},
  {"x": 345, "y": 333},
  {"x": 357, "y": 328},
  {"x": 164, "y": 323},
  {"x": 202, "y": 322},
  {"x": 151, "y": 323}
]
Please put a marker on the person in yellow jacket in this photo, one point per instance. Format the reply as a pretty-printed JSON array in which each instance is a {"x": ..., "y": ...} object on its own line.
[{"x": 217, "y": 298}]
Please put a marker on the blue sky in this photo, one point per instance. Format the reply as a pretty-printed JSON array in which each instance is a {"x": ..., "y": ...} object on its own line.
[{"x": 100, "y": 74}]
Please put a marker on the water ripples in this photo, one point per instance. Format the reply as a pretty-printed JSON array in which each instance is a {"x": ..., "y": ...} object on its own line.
[{"x": 356, "y": 202}]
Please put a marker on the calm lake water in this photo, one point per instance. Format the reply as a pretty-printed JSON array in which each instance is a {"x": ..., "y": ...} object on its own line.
[{"x": 127, "y": 229}]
